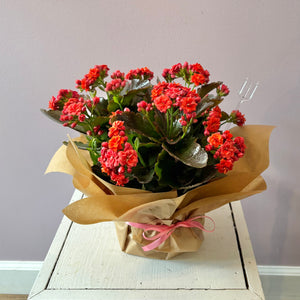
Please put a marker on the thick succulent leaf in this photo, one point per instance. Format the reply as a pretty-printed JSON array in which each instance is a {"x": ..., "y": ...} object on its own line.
[
  {"x": 174, "y": 135},
  {"x": 208, "y": 101},
  {"x": 201, "y": 176},
  {"x": 149, "y": 153},
  {"x": 225, "y": 116},
  {"x": 112, "y": 106},
  {"x": 188, "y": 152},
  {"x": 164, "y": 169},
  {"x": 205, "y": 89},
  {"x": 138, "y": 123},
  {"x": 101, "y": 107},
  {"x": 80, "y": 145},
  {"x": 134, "y": 86},
  {"x": 55, "y": 116},
  {"x": 100, "y": 121},
  {"x": 173, "y": 172},
  {"x": 142, "y": 174}
]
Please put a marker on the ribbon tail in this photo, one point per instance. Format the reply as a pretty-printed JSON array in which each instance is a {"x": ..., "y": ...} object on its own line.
[{"x": 156, "y": 243}]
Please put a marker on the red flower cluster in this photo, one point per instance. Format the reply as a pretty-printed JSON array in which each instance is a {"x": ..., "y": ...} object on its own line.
[
  {"x": 63, "y": 96},
  {"x": 212, "y": 123},
  {"x": 118, "y": 74},
  {"x": 116, "y": 85},
  {"x": 175, "y": 71},
  {"x": 143, "y": 73},
  {"x": 223, "y": 90},
  {"x": 99, "y": 71},
  {"x": 226, "y": 149},
  {"x": 143, "y": 105},
  {"x": 200, "y": 76},
  {"x": 238, "y": 118},
  {"x": 117, "y": 155},
  {"x": 194, "y": 72},
  {"x": 165, "y": 95},
  {"x": 73, "y": 111}
]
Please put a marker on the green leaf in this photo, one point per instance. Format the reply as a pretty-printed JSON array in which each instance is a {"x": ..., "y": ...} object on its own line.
[
  {"x": 142, "y": 174},
  {"x": 112, "y": 106},
  {"x": 136, "y": 144},
  {"x": 174, "y": 134},
  {"x": 205, "y": 89},
  {"x": 208, "y": 101},
  {"x": 138, "y": 123},
  {"x": 81, "y": 145},
  {"x": 188, "y": 152},
  {"x": 101, "y": 107},
  {"x": 173, "y": 172},
  {"x": 163, "y": 169},
  {"x": 134, "y": 86},
  {"x": 100, "y": 121},
  {"x": 149, "y": 153},
  {"x": 201, "y": 177},
  {"x": 225, "y": 116},
  {"x": 55, "y": 116}
]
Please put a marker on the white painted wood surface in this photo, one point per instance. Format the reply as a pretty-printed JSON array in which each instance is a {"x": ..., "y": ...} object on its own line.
[{"x": 85, "y": 262}]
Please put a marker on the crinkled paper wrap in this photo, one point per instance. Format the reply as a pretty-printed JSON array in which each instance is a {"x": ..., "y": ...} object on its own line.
[{"x": 107, "y": 202}]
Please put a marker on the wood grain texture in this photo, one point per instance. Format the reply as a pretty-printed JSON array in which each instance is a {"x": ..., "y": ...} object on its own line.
[
  {"x": 247, "y": 255},
  {"x": 90, "y": 265},
  {"x": 91, "y": 258},
  {"x": 43, "y": 277}
]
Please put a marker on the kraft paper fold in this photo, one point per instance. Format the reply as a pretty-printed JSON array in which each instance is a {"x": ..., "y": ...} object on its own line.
[{"x": 107, "y": 202}]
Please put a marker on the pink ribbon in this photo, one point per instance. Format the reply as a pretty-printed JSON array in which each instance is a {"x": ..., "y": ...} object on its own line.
[{"x": 164, "y": 231}]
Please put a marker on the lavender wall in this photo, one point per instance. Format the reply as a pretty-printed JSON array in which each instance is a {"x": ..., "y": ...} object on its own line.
[{"x": 47, "y": 45}]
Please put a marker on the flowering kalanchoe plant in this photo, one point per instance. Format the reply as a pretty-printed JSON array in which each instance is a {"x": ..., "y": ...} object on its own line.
[{"x": 155, "y": 137}]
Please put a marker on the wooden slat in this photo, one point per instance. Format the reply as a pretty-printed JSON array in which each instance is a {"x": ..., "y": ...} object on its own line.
[
  {"x": 249, "y": 261},
  {"x": 85, "y": 262},
  {"x": 91, "y": 259},
  {"x": 53, "y": 254},
  {"x": 146, "y": 295}
]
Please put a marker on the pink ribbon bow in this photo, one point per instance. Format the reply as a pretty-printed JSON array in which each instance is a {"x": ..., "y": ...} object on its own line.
[{"x": 164, "y": 231}]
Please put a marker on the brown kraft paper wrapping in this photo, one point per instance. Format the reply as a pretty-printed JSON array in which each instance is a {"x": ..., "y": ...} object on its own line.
[{"x": 108, "y": 202}]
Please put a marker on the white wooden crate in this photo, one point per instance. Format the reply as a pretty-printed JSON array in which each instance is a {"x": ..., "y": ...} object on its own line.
[{"x": 85, "y": 262}]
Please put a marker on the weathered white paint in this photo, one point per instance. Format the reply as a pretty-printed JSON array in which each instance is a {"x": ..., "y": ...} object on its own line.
[
  {"x": 90, "y": 265},
  {"x": 17, "y": 277},
  {"x": 54, "y": 251}
]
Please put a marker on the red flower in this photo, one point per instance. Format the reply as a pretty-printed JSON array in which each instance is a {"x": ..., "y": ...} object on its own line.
[
  {"x": 118, "y": 156},
  {"x": 99, "y": 71},
  {"x": 143, "y": 73},
  {"x": 215, "y": 140},
  {"x": 118, "y": 74},
  {"x": 115, "y": 129},
  {"x": 198, "y": 79},
  {"x": 188, "y": 105},
  {"x": 93, "y": 74},
  {"x": 163, "y": 103},
  {"x": 223, "y": 91},
  {"x": 115, "y": 85},
  {"x": 213, "y": 121},
  {"x": 197, "y": 68},
  {"x": 73, "y": 107},
  {"x": 128, "y": 158},
  {"x": 53, "y": 104},
  {"x": 224, "y": 166},
  {"x": 116, "y": 143},
  {"x": 165, "y": 95},
  {"x": 175, "y": 69},
  {"x": 238, "y": 117}
]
